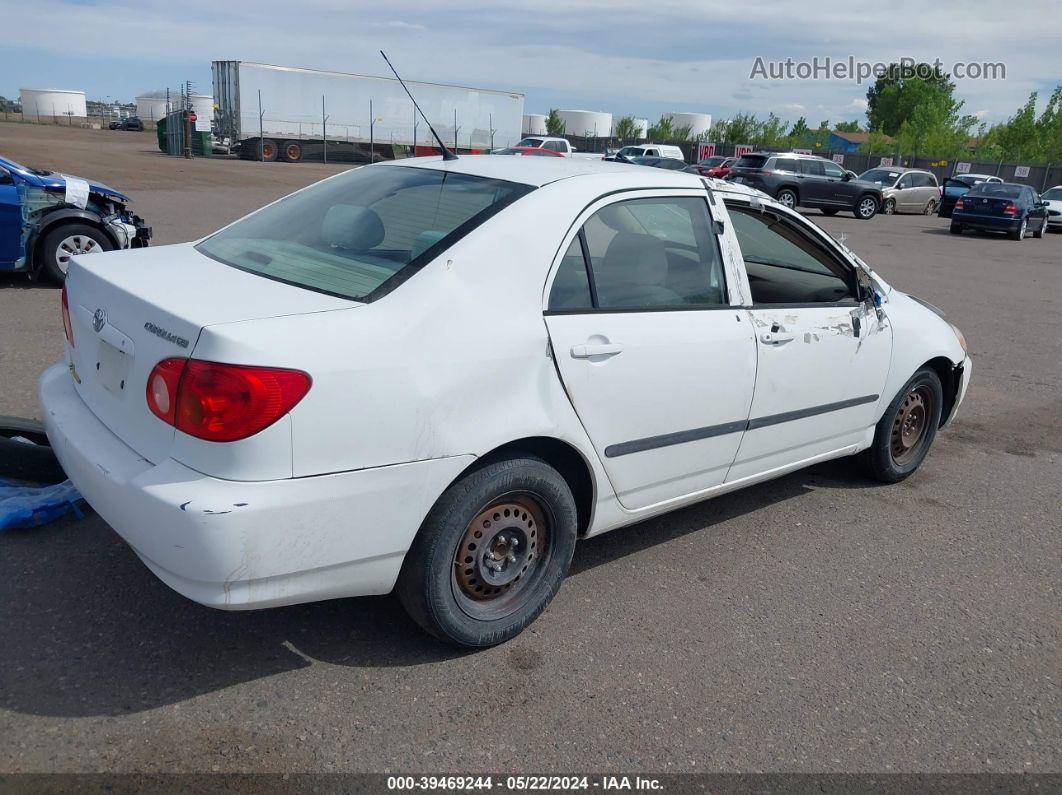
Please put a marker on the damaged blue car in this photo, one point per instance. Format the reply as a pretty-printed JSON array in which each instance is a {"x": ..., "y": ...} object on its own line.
[{"x": 47, "y": 217}]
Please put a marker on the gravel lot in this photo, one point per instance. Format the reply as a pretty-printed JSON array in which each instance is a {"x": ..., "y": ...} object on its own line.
[{"x": 815, "y": 623}]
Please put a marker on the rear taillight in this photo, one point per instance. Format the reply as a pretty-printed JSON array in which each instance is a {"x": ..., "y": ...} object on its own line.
[
  {"x": 1010, "y": 209},
  {"x": 222, "y": 402},
  {"x": 958, "y": 204},
  {"x": 68, "y": 328}
]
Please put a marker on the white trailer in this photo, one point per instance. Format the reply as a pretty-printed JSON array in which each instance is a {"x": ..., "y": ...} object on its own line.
[{"x": 287, "y": 113}]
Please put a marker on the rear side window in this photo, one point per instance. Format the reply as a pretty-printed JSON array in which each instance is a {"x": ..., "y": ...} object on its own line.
[
  {"x": 786, "y": 164},
  {"x": 646, "y": 254},
  {"x": 750, "y": 161},
  {"x": 571, "y": 287},
  {"x": 360, "y": 234}
]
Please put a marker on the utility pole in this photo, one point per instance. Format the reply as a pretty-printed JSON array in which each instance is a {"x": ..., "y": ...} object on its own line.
[{"x": 324, "y": 131}]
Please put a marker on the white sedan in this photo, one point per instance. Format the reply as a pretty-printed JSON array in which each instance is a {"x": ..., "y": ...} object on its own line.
[
  {"x": 1053, "y": 197},
  {"x": 435, "y": 376}
]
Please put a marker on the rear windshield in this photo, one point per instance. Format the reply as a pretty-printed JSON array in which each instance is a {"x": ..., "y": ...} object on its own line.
[
  {"x": 751, "y": 161},
  {"x": 995, "y": 189},
  {"x": 632, "y": 151},
  {"x": 360, "y": 234}
]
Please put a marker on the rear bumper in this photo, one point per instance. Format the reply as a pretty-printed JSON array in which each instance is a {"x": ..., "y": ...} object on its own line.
[
  {"x": 239, "y": 545},
  {"x": 992, "y": 222}
]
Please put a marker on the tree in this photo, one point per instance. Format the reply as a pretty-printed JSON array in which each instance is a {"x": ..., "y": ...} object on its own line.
[
  {"x": 772, "y": 134},
  {"x": 848, "y": 126},
  {"x": 626, "y": 128},
  {"x": 820, "y": 138},
  {"x": 682, "y": 133},
  {"x": 877, "y": 143},
  {"x": 744, "y": 128},
  {"x": 554, "y": 124},
  {"x": 798, "y": 136},
  {"x": 894, "y": 96},
  {"x": 662, "y": 130}
]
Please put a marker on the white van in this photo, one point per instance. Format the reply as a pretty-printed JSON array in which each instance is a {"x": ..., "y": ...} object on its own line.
[{"x": 652, "y": 150}]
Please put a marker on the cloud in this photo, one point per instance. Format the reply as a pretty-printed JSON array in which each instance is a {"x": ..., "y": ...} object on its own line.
[
  {"x": 793, "y": 107},
  {"x": 605, "y": 54}
]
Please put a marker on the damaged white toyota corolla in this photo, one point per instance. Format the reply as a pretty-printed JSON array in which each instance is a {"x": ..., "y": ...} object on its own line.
[{"x": 434, "y": 376}]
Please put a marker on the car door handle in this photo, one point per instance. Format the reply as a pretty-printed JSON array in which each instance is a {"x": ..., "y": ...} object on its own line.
[
  {"x": 596, "y": 349},
  {"x": 776, "y": 337}
]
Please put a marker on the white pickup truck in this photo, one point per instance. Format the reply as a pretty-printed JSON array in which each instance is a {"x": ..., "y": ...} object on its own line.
[{"x": 556, "y": 145}]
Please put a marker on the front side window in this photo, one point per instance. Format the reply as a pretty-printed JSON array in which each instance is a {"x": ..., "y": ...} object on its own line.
[
  {"x": 833, "y": 170},
  {"x": 647, "y": 254},
  {"x": 362, "y": 233},
  {"x": 785, "y": 264},
  {"x": 554, "y": 146},
  {"x": 1054, "y": 194}
]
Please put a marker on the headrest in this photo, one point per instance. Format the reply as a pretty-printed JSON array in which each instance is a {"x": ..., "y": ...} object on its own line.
[
  {"x": 632, "y": 259},
  {"x": 352, "y": 227},
  {"x": 424, "y": 241}
]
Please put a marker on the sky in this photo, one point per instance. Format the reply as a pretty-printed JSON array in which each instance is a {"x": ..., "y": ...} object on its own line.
[{"x": 638, "y": 58}]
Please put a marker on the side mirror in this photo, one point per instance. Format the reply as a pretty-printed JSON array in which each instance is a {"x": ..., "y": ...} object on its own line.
[
  {"x": 5, "y": 178},
  {"x": 847, "y": 176}
]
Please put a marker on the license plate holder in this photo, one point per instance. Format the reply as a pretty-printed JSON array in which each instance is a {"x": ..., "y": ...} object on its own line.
[{"x": 112, "y": 368}]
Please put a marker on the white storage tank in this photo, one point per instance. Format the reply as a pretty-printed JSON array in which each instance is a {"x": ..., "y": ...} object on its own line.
[
  {"x": 57, "y": 102},
  {"x": 534, "y": 124},
  {"x": 699, "y": 123},
  {"x": 152, "y": 105},
  {"x": 588, "y": 123},
  {"x": 641, "y": 129}
]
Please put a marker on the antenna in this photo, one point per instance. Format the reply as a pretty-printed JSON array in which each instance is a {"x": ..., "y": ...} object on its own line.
[{"x": 446, "y": 153}]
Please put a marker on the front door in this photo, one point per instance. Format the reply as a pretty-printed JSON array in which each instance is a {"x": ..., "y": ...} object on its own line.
[
  {"x": 10, "y": 221},
  {"x": 823, "y": 355},
  {"x": 659, "y": 365}
]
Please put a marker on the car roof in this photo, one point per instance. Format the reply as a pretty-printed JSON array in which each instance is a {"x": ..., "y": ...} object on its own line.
[{"x": 540, "y": 171}]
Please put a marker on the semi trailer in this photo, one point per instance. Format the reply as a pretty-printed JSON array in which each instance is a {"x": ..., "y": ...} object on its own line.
[{"x": 267, "y": 112}]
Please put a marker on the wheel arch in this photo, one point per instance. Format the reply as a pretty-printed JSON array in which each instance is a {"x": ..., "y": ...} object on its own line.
[
  {"x": 950, "y": 375},
  {"x": 562, "y": 456},
  {"x": 58, "y": 218},
  {"x": 787, "y": 186}
]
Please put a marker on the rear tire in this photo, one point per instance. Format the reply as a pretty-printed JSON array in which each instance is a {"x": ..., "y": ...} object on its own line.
[
  {"x": 787, "y": 197},
  {"x": 267, "y": 150},
  {"x": 290, "y": 152},
  {"x": 930, "y": 208},
  {"x": 1019, "y": 233},
  {"x": 1042, "y": 230},
  {"x": 906, "y": 430},
  {"x": 62, "y": 242},
  {"x": 491, "y": 554},
  {"x": 866, "y": 207},
  {"x": 35, "y": 462},
  {"x": 956, "y": 229}
]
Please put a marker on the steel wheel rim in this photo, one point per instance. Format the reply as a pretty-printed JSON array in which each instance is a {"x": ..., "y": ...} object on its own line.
[
  {"x": 268, "y": 150},
  {"x": 889, "y": 208},
  {"x": 72, "y": 246},
  {"x": 866, "y": 207},
  {"x": 503, "y": 554},
  {"x": 910, "y": 428},
  {"x": 293, "y": 151},
  {"x": 787, "y": 199}
]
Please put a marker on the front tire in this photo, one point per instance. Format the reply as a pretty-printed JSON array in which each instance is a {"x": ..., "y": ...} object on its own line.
[
  {"x": 889, "y": 208},
  {"x": 491, "y": 554},
  {"x": 68, "y": 240},
  {"x": 866, "y": 208},
  {"x": 906, "y": 430}
]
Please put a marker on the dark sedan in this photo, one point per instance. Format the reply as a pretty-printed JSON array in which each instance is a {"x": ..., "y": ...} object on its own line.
[
  {"x": 1000, "y": 207},
  {"x": 670, "y": 163}
]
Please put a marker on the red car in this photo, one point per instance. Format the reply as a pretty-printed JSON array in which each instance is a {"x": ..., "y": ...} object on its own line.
[
  {"x": 717, "y": 167},
  {"x": 527, "y": 150}
]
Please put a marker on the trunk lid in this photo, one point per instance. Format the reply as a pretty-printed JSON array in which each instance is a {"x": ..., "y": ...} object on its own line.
[
  {"x": 131, "y": 309},
  {"x": 980, "y": 204}
]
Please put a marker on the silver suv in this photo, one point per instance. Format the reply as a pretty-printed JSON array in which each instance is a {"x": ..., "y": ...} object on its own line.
[{"x": 905, "y": 190}]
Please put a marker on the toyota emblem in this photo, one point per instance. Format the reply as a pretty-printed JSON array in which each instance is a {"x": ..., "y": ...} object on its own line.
[{"x": 99, "y": 320}]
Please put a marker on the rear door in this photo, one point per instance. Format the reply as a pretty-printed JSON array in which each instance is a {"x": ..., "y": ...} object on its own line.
[
  {"x": 814, "y": 189},
  {"x": 823, "y": 356},
  {"x": 658, "y": 362}
]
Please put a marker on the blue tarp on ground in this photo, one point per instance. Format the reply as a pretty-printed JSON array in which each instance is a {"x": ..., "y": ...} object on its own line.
[{"x": 28, "y": 505}]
